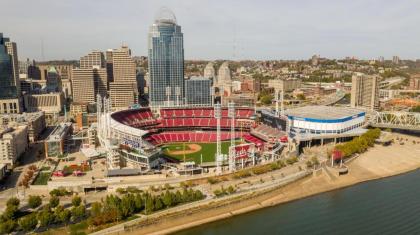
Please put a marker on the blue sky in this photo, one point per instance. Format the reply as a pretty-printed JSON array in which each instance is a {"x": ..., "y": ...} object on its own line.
[{"x": 216, "y": 29}]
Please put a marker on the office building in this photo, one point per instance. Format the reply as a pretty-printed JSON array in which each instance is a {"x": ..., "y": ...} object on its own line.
[
  {"x": 198, "y": 91},
  {"x": 166, "y": 60},
  {"x": 12, "y": 51},
  {"x": 10, "y": 100},
  {"x": 224, "y": 79},
  {"x": 34, "y": 121},
  {"x": 123, "y": 91},
  {"x": 51, "y": 104},
  {"x": 414, "y": 82},
  {"x": 285, "y": 84},
  {"x": 56, "y": 143},
  {"x": 90, "y": 78},
  {"x": 365, "y": 91},
  {"x": 210, "y": 72},
  {"x": 13, "y": 143}
]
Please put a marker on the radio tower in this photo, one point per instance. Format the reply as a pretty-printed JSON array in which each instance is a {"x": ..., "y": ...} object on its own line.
[
  {"x": 218, "y": 115},
  {"x": 231, "y": 114}
]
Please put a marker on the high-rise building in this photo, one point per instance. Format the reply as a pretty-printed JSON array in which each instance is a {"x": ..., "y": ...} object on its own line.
[
  {"x": 198, "y": 91},
  {"x": 8, "y": 88},
  {"x": 93, "y": 59},
  {"x": 90, "y": 79},
  {"x": 396, "y": 59},
  {"x": 53, "y": 80},
  {"x": 123, "y": 91},
  {"x": 109, "y": 67},
  {"x": 210, "y": 72},
  {"x": 10, "y": 97},
  {"x": 166, "y": 60},
  {"x": 414, "y": 82},
  {"x": 224, "y": 79},
  {"x": 83, "y": 85},
  {"x": 365, "y": 91},
  {"x": 12, "y": 51}
]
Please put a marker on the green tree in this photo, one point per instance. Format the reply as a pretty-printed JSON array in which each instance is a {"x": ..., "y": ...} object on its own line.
[
  {"x": 96, "y": 209},
  {"x": 127, "y": 206},
  {"x": 158, "y": 203},
  {"x": 54, "y": 201},
  {"x": 10, "y": 212},
  {"x": 45, "y": 218},
  {"x": 139, "y": 202},
  {"x": 64, "y": 216},
  {"x": 79, "y": 212},
  {"x": 28, "y": 223},
  {"x": 167, "y": 199},
  {"x": 75, "y": 201},
  {"x": 34, "y": 201},
  {"x": 13, "y": 202},
  {"x": 7, "y": 227},
  {"x": 150, "y": 207},
  {"x": 266, "y": 99}
]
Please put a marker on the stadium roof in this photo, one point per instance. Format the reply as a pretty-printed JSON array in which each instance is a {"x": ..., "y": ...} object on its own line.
[{"x": 323, "y": 112}]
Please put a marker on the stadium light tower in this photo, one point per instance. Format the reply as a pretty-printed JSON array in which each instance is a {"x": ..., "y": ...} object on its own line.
[
  {"x": 218, "y": 115},
  {"x": 231, "y": 114}
]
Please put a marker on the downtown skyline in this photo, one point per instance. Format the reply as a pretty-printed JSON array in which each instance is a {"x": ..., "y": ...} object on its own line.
[{"x": 213, "y": 30}]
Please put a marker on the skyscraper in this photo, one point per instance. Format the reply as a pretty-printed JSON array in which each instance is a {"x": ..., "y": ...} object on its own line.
[
  {"x": 365, "y": 91},
  {"x": 90, "y": 79},
  {"x": 10, "y": 97},
  {"x": 123, "y": 91},
  {"x": 12, "y": 51},
  {"x": 166, "y": 60},
  {"x": 8, "y": 88},
  {"x": 198, "y": 91}
]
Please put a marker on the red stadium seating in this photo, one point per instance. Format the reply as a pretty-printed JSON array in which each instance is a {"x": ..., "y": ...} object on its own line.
[{"x": 185, "y": 136}]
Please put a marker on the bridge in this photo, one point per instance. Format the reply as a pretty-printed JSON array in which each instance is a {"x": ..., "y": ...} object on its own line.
[{"x": 394, "y": 120}]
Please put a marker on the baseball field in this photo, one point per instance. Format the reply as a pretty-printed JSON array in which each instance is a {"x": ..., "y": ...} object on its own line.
[{"x": 193, "y": 151}]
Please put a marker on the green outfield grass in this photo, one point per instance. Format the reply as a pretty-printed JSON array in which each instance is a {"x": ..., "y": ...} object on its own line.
[{"x": 208, "y": 150}]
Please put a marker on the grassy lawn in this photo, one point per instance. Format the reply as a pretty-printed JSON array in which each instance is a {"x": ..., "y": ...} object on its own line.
[
  {"x": 42, "y": 178},
  {"x": 208, "y": 150}
]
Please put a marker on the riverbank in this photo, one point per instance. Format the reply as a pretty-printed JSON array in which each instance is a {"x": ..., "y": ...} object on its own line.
[{"x": 378, "y": 162}]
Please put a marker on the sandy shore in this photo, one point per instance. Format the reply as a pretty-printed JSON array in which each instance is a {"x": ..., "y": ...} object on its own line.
[{"x": 378, "y": 162}]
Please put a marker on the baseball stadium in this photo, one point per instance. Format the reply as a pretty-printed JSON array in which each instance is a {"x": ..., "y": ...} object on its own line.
[{"x": 148, "y": 139}]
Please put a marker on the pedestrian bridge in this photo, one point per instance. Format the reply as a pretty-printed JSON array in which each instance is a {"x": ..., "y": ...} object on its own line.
[{"x": 394, "y": 120}]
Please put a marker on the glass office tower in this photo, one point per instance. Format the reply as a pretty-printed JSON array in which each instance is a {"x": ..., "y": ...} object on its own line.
[
  {"x": 166, "y": 61},
  {"x": 8, "y": 89}
]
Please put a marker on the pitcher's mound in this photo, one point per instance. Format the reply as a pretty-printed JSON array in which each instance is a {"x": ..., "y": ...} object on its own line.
[{"x": 189, "y": 148}]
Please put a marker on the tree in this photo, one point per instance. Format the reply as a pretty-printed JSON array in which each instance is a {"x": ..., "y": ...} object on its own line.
[
  {"x": 34, "y": 201},
  {"x": 54, "y": 201},
  {"x": 128, "y": 205},
  {"x": 10, "y": 212},
  {"x": 13, "y": 202},
  {"x": 158, "y": 203},
  {"x": 266, "y": 99},
  {"x": 64, "y": 216},
  {"x": 96, "y": 209},
  {"x": 150, "y": 207},
  {"x": 167, "y": 199},
  {"x": 28, "y": 223},
  {"x": 45, "y": 217},
  {"x": 79, "y": 212},
  {"x": 7, "y": 227},
  {"x": 76, "y": 201},
  {"x": 139, "y": 202}
]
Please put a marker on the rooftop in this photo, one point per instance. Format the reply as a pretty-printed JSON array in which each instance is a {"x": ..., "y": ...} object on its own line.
[{"x": 323, "y": 112}]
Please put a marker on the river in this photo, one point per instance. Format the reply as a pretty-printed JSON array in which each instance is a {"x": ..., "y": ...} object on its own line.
[{"x": 386, "y": 206}]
